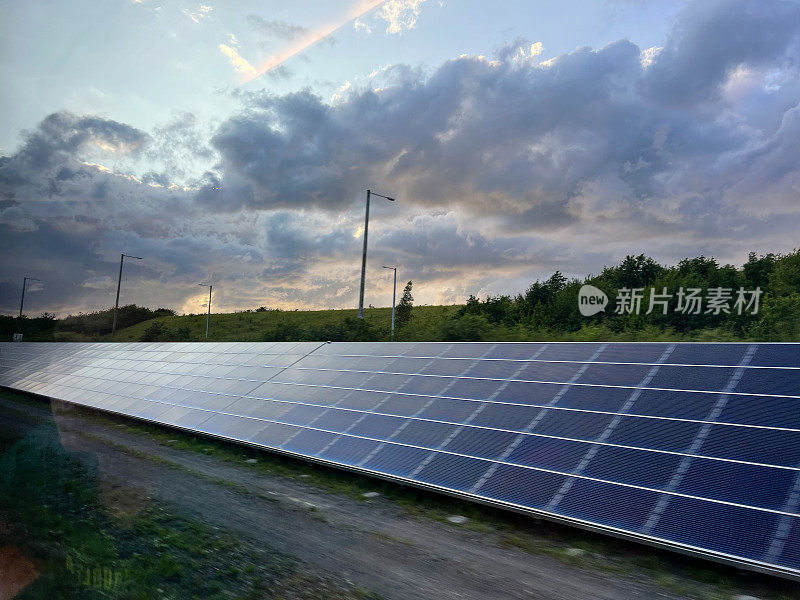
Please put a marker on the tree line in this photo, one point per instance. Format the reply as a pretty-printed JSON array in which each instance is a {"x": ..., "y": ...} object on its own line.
[{"x": 759, "y": 300}]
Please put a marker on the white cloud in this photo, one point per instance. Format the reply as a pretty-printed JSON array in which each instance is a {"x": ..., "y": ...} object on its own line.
[
  {"x": 360, "y": 25},
  {"x": 238, "y": 62},
  {"x": 198, "y": 14},
  {"x": 401, "y": 14}
]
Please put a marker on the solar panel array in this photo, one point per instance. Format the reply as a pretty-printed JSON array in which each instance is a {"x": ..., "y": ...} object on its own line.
[{"x": 691, "y": 446}]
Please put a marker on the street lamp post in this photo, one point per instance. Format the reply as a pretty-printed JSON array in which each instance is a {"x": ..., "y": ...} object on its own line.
[
  {"x": 208, "y": 314},
  {"x": 119, "y": 284},
  {"x": 394, "y": 295},
  {"x": 25, "y": 280},
  {"x": 364, "y": 254}
]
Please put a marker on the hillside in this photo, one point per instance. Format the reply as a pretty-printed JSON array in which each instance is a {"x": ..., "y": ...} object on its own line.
[{"x": 255, "y": 326}]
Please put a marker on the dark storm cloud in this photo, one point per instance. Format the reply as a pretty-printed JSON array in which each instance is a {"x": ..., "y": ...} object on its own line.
[
  {"x": 529, "y": 145},
  {"x": 63, "y": 134},
  {"x": 711, "y": 38}
]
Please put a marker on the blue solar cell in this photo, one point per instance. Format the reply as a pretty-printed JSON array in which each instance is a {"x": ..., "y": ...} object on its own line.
[
  {"x": 153, "y": 410},
  {"x": 275, "y": 434},
  {"x": 447, "y": 409},
  {"x": 789, "y": 553},
  {"x": 505, "y": 416},
  {"x": 776, "y": 355},
  {"x": 631, "y": 375},
  {"x": 454, "y": 472},
  {"x": 595, "y": 398},
  {"x": 403, "y": 405},
  {"x": 608, "y": 504},
  {"x": 471, "y": 350},
  {"x": 424, "y": 433},
  {"x": 570, "y": 351},
  {"x": 229, "y": 426},
  {"x": 308, "y": 441},
  {"x": 753, "y": 445},
  {"x": 522, "y": 486},
  {"x": 675, "y": 436},
  {"x": 633, "y": 353},
  {"x": 761, "y": 410},
  {"x": 484, "y": 443},
  {"x": 476, "y": 389},
  {"x": 680, "y": 405},
  {"x": 384, "y": 382},
  {"x": 305, "y": 376},
  {"x": 337, "y": 420},
  {"x": 548, "y": 453},
  {"x": 263, "y": 409},
  {"x": 573, "y": 424},
  {"x": 708, "y": 354},
  {"x": 719, "y": 527},
  {"x": 781, "y": 382},
  {"x": 396, "y": 460},
  {"x": 377, "y": 426},
  {"x": 360, "y": 400},
  {"x": 349, "y": 379},
  {"x": 452, "y": 367},
  {"x": 525, "y": 393},
  {"x": 431, "y": 386},
  {"x": 637, "y": 467},
  {"x": 302, "y": 414},
  {"x": 496, "y": 369},
  {"x": 559, "y": 372},
  {"x": 765, "y": 487},
  {"x": 349, "y": 450},
  {"x": 692, "y": 378},
  {"x": 516, "y": 351}
]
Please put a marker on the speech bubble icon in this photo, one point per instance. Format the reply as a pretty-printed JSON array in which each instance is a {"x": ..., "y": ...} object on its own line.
[{"x": 591, "y": 300}]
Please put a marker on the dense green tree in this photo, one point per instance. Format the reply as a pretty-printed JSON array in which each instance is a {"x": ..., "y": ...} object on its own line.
[{"x": 403, "y": 313}]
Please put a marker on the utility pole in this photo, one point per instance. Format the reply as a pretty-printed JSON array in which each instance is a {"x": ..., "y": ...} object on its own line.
[
  {"x": 394, "y": 295},
  {"x": 364, "y": 254},
  {"x": 208, "y": 314},
  {"x": 119, "y": 284},
  {"x": 22, "y": 300}
]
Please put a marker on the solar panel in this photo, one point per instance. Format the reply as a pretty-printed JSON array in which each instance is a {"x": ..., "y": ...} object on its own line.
[{"x": 695, "y": 447}]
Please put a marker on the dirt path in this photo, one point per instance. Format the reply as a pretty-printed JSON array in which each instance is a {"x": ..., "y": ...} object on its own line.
[{"x": 374, "y": 544}]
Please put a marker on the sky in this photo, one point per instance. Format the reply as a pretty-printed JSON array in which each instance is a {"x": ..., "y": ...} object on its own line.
[{"x": 233, "y": 143}]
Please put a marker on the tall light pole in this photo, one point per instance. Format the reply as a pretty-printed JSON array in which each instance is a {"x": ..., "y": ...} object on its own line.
[
  {"x": 119, "y": 283},
  {"x": 394, "y": 295},
  {"x": 208, "y": 314},
  {"x": 364, "y": 254},
  {"x": 22, "y": 300}
]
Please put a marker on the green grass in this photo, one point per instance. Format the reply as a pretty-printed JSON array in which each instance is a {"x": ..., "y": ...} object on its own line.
[
  {"x": 245, "y": 327},
  {"x": 424, "y": 326}
]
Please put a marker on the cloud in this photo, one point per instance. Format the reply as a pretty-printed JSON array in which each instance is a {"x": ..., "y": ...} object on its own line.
[
  {"x": 198, "y": 14},
  {"x": 276, "y": 29},
  {"x": 239, "y": 63},
  {"x": 505, "y": 168},
  {"x": 400, "y": 14},
  {"x": 360, "y": 25}
]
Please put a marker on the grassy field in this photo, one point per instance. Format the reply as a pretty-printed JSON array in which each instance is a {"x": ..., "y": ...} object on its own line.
[
  {"x": 429, "y": 323},
  {"x": 251, "y": 326}
]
